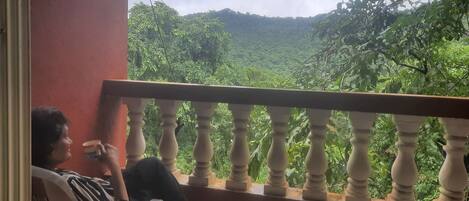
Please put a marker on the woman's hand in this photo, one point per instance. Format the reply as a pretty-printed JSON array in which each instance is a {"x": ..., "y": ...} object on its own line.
[{"x": 109, "y": 155}]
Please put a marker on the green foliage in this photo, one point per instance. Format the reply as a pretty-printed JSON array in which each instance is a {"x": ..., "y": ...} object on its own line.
[
  {"x": 259, "y": 143},
  {"x": 396, "y": 46},
  {"x": 366, "y": 43},
  {"x": 166, "y": 46},
  {"x": 204, "y": 40}
]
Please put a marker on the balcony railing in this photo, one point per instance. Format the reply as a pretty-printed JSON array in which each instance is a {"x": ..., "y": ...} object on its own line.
[{"x": 408, "y": 112}]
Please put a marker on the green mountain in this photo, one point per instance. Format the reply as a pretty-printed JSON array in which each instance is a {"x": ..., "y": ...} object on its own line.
[{"x": 266, "y": 42}]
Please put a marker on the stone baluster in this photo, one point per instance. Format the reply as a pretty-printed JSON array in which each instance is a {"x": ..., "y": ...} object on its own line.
[
  {"x": 168, "y": 144},
  {"x": 277, "y": 158},
  {"x": 453, "y": 175},
  {"x": 135, "y": 145},
  {"x": 239, "y": 155},
  {"x": 316, "y": 162},
  {"x": 358, "y": 166},
  {"x": 404, "y": 170},
  {"x": 203, "y": 148}
]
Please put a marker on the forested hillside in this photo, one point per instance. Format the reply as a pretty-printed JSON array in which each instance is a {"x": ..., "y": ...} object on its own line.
[{"x": 266, "y": 42}]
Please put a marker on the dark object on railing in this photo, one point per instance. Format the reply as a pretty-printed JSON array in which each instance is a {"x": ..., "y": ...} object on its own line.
[{"x": 421, "y": 105}]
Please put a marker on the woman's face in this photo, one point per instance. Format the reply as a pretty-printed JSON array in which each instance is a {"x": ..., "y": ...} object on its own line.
[{"x": 61, "y": 149}]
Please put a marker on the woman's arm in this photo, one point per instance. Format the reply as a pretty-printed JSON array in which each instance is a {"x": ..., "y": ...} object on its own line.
[{"x": 110, "y": 157}]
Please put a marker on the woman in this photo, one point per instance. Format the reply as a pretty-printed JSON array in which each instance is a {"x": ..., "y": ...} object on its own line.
[{"x": 148, "y": 179}]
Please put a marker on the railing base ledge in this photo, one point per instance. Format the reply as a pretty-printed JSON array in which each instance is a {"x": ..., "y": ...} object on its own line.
[
  {"x": 217, "y": 191},
  {"x": 238, "y": 186}
]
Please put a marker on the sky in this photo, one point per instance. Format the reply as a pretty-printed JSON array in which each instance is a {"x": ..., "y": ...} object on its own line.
[{"x": 271, "y": 8}]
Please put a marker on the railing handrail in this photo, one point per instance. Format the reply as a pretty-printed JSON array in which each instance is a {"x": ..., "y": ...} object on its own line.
[{"x": 409, "y": 104}]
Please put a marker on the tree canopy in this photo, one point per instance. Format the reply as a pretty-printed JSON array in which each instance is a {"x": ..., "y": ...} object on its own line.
[
  {"x": 367, "y": 42},
  {"x": 166, "y": 46}
]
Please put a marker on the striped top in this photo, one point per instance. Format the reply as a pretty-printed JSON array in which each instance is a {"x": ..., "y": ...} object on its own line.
[{"x": 87, "y": 188}]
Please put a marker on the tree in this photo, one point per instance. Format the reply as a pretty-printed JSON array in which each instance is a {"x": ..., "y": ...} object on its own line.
[
  {"x": 204, "y": 40},
  {"x": 370, "y": 41},
  {"x": 166, "y": 46}
]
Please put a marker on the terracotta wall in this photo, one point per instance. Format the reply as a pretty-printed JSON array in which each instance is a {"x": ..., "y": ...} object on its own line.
[{"x": 76, "y": 44}]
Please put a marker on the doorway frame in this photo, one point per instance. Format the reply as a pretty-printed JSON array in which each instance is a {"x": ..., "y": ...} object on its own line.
[{"x": 15, "y": 99}]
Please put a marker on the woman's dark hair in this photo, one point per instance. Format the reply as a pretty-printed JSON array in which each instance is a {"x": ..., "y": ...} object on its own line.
[{"x": 47, "y": 124}]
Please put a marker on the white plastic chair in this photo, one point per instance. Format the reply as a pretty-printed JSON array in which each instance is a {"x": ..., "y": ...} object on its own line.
[{"x": 48, "y": 185}]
